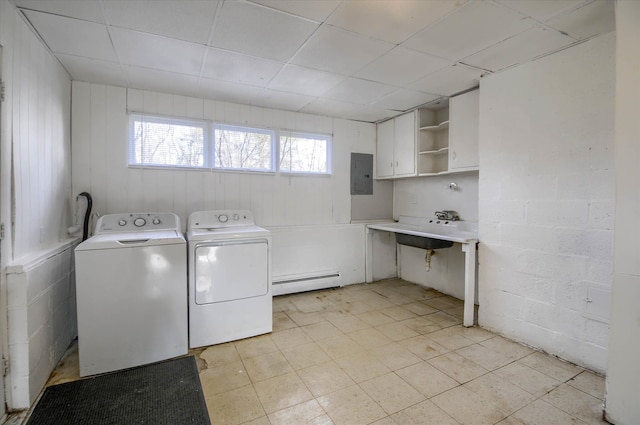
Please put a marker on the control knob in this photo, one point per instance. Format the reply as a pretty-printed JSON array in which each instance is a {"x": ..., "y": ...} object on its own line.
[
  {"x": 236, "y": 217},
  {"x": 122, "y": 222},
  {"x": 139, "y": 222},
  {"x": 223, "y": 218},
  {"x": 156, "y": 221}
]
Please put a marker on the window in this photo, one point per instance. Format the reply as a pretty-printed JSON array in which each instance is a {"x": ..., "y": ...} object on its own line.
[
  {"x": 304, "y": 153},
  {"x": 156, "y": 141},
  {"x": 242, "y": 148},
  {"x": 159, "y": 141}
]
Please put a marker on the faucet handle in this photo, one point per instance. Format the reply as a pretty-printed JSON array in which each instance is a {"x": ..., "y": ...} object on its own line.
[{"x": 447, "y": 215}]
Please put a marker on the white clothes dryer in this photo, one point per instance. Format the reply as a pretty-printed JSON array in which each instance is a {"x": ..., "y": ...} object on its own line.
[
  {"x": 229, "y": 277},
  {"x": 131, "y": 292}
]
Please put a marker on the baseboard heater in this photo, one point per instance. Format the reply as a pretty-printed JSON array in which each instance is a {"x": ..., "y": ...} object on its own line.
[{"x": 292, "y": 284}]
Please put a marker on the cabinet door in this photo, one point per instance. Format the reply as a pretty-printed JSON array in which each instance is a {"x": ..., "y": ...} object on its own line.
[
  {"x": 463, "y": 131},
  {"x": 384, "y": 149},
  {"x": 404, "y": 134}
]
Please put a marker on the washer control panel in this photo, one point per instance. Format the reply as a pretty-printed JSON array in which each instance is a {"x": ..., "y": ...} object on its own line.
[
  {"x": 137, "y": 222},
  {"x": 220, "y": 218}
]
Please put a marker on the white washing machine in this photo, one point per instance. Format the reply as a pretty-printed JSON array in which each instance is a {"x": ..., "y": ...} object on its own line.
[
  {"x": 229, "y": 277},
  {"x": 131, "y": 292}
]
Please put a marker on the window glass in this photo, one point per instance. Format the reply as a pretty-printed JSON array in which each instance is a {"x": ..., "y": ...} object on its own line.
[
  {"x": 243, "y": 148},
  {"x": 304, "y": 153},
  {"x": 162, "y": 141}
]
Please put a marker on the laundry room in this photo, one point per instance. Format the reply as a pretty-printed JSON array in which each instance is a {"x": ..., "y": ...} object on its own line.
[{"x": 266, "y": 141}]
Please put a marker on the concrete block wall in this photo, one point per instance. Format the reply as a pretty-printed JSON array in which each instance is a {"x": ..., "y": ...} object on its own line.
[{"x": 546, "y": 202}]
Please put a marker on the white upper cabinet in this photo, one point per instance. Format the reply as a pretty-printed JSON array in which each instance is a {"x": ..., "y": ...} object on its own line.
[
  {"x": 396, "y": 147},
  {"x": 463, "y": 132}
]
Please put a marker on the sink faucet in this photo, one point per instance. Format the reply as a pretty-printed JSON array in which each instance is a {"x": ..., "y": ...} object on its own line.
[{"x": 447, "y": 215}]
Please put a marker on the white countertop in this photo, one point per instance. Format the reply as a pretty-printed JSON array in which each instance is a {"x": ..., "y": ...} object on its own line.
[{"x": 454, "y": 231}]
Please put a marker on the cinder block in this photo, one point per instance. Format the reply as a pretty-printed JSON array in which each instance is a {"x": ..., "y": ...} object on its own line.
[
  {"x": 597, "y": 333},
  {"x": 557, "y": 213},
  {"x": 601, "y": 214}
]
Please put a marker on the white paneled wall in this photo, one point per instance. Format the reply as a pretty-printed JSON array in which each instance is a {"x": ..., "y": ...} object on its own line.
[
  {"x": 305, "y": 202},
  {"x": 546, "y": 205},
  {"x": 35, "y": 207},
  {"x": 100, "y": 162}
]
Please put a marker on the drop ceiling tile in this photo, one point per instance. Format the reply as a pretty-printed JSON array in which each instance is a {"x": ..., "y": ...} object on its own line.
[
  {"x": 317, "y": 10},
  {"x": 156, "y": 52},
  {"x": 73, "y": 36},
  {"x": 281, "y": 100},
  {"x": 588, "y": 21},
  {"x": 519, "y": 49},
  {"x": 239, "y": 68},
  {"x": 401, "y": 66},
  {"x": 86, "y": 10},
  {"x": 404, "y": 99},
  {"x": 260, "y": 31},
  {"x": 311, "y": 82},
  {"x": 369, "y": 113},
  {"x": 93, "y": 70},
  {"x": 227, "y": 92},
  {"x": 450, "y": 80},
  {"x": 331, "y": 108},
  {"x": 355, "y": 90},
  {"x": 336, "y": 50},
  {"x": 390, "y": 20},
  {"x": 476, "y": 26},
  {"x": 541, "y": 10},
  {"x": 189, "y": 20},
  {"x": 162, "y": 81}
]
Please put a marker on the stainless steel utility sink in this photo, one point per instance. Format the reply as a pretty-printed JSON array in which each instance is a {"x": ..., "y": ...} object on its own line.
[{"x": 422, "y": 241}]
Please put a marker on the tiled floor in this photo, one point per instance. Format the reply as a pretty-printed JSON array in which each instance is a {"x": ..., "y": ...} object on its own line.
[{"x": 385, "y": 353}]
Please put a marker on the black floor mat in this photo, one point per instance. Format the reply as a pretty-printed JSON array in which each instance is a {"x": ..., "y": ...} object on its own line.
[{"x": 162, "y": 393}]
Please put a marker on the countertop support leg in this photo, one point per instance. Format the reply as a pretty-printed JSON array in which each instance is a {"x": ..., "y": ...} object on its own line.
[
  {"x": 368, "y": 256},
  {"x": 469, "y": 283}
]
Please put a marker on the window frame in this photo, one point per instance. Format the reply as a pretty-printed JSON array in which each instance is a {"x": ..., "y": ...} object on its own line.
[{"x": 209, "y": 145}]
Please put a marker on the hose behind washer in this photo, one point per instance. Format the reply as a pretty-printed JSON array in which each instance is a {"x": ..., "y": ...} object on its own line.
[{"x": 87, "y": 215}]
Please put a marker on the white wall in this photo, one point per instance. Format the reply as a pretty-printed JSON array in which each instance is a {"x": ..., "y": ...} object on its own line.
[
  {"x": 623, "y": 385},
  {"x": 100, "y": 164},
  {"x": 546, "y": 201},
  {"x": 35, "y": 141}
]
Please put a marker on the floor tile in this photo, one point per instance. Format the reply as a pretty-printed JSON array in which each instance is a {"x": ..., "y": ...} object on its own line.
[
  {"x": 483, "y": 356},
  {"x": 303, "y": 319},
  {"x": 424, "y": 347},
  {"x": 443, "y": 319},
  {"x": 551, "y": 366},
  {"x": 307, "y": 413},
  {"x": 234, "y": 407},
  {"x": 457, "y": 367},
  {"x": 398, "y": 313},
  {"x": 425, "y": 378},
  {"x": 362, "y": 366},
  {"x": 226, "y": 377},
  {"x": 467, "y": 407},
  {"x": 423, "y": 413},
  {"x": 370, "y": 338},
  {"x": 450, "y": 338},
  {"x": 395, "y": 356},
  {"x": 590, "y": 383},
  {"x": 306, "y": 355},
  {"x": 220, "y": 354},
  {"x": 281, "y": 392},
  {"x": 391, "y": 392},
  {"x": 267, "y": 366},
  {"x": 396, "y": 331},
  {"x": 528, "y": 379},
  {"x": 260, "y": 421},
  {"x": 375, "y": 318},
  {"x": 511, "y": 420},
  {"x": 339, "y": 346},
  {"x": 346, "y": 322},
  {"x": 325, "y": 378},
  {"x": 499, "y": 392},
  {"x": 421, "y": 325},
  {"x": 351, "y": 406},
  {"x": 419, "y": 308},
  {"x": 507, "y": 348},
  {"x": 576, "y": 403},
  {"x": 282, "y": 321},
  {"x": 290, "y": 338},
  {"x": 256, "y": 346},
  {"x": 443, "y": 303},
  {"x": 542, "y": 413},
  {"x": 321, "y": 330}
]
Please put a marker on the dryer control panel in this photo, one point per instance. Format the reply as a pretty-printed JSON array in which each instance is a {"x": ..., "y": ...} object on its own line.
[
  {"x": 134, "y": 222},
  {"x": 220, "y": 218}
]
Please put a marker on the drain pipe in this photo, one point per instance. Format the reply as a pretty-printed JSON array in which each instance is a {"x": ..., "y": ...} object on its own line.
[
  {"x": 427, "y": 258},
  {"x": 87, "y": 214}
]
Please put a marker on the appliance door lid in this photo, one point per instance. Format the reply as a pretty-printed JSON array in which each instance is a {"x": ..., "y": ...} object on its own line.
[
  {"x": 227, "y": 233},
  {"x": 230, "y": 271},
  {"x": 131, "y": 240}
]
